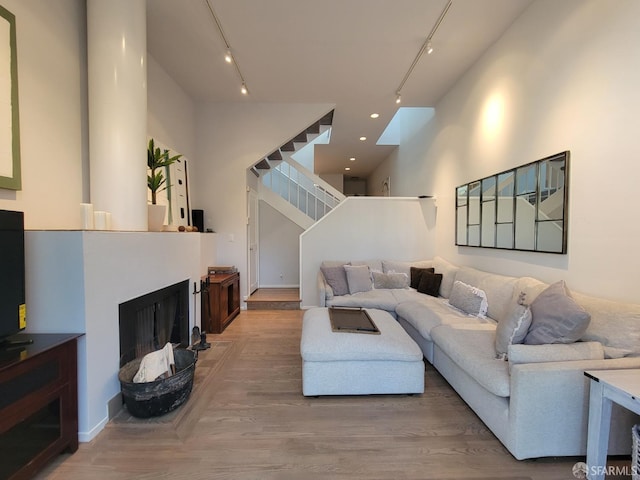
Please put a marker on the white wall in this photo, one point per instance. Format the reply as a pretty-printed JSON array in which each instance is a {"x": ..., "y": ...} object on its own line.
[
  {"x": 76, "y": 281},
  {"x": 231, "y": 138},
  {"x": 565, "y": 76},
  {"x": 279, "y": 247},
  {"x": 363, "y": 228},
  {"x": 52, "y": 88}
]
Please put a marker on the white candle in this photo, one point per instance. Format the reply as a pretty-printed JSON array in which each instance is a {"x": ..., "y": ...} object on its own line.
[{"x": 86, "y": 216}]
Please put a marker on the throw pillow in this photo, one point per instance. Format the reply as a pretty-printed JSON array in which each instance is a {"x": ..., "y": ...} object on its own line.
[
  {"x": 513, "y": 327},
  {"x": 556, "y": 317},
  {"x": 390, "y": 280},
  {"x": 336, "y": 277},
  {"x": 358, "y": 278},
  {"x": 469, "y": 299},
  {"x": 415, "y": 274},
  {"x": 430, "y": 283}
]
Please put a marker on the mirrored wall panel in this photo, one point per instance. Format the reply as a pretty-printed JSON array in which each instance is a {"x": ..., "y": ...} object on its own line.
[{"x": 520, "y": 209}]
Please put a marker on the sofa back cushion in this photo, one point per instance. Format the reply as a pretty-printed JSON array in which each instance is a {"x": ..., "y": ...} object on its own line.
[
  {"x": 498, "y": 288},
  {"x": 335, "y": 276},
  {"x": 448, "y": 271},
  {"x": 614, "y": 324}
]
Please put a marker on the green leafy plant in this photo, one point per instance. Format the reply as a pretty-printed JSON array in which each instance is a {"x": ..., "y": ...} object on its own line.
[{"x": 157, "y": 160}]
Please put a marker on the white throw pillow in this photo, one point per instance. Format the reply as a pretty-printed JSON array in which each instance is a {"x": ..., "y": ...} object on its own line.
[
  {"x": 469, "y": 299},
  {"x": 513, "y": 327}
]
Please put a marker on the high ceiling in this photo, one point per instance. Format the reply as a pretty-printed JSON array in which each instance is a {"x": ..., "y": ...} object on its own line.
[{"x": 351, "y": 53}]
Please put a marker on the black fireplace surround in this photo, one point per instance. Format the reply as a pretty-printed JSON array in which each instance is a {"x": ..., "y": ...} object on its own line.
[{"x": 148, "y": 322}]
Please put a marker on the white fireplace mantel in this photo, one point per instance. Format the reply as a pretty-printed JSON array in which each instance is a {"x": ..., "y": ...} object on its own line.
[{"x": 75, "y": 282}]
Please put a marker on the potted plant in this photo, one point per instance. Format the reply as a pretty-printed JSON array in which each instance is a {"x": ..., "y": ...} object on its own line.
[{"x": 157, "y": 161}]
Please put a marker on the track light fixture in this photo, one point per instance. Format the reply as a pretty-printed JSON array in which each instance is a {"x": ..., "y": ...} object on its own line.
[
  {"x": 228, "y": 57},
  {"x": 427, "y": 46}
]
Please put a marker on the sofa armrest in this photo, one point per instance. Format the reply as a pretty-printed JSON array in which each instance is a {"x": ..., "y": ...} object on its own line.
[
  {"x": 323, "y": 287},
  {"x": 552, "y": 400}
]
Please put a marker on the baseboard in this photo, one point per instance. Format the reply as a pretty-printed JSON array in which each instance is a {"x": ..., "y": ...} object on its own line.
[{"x": 279, "y": 286}]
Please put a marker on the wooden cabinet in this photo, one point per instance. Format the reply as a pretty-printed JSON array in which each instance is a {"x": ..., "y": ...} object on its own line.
[
  {"x": 38, "y": 402},
  {"x": 220, "y": 301}
]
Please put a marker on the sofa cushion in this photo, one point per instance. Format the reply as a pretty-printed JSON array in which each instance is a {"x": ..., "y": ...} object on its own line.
[
  {"x": 390, "y": 280},
  {"x": 358, "y": 278},
  {"x": 471, "y": 347},
  {"x": 469, "y": 299},
  {"x": 556, "y": 352},
  {"x": 430, "y": 283},
  {"x": 382, "y": 299},
  {"x": 448, "y": 271},
  {"x": 513, "y": 327},
  {"x": 424, "y": 313},
  {"x": 336, "y": 277},
  {"x": 415, "y": 274},
  {"x": 498, "y": 288},
  {"x": 556, "y": 317},
  {"x": 614, "y": 324}
]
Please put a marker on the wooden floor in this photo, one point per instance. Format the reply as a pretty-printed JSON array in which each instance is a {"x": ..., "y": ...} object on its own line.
[{"x": 247, "y": 419}]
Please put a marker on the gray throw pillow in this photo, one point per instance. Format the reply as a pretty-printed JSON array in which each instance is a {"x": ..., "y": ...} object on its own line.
[
  {"x": 513, "y": 327},
  {"x": 390, "y": 280},
  {"x": 358, "y": 278},
  {"x": 336, "y": 277},
  {"x": 469, "y": 299},
  {"x": 556, "y": 317}
]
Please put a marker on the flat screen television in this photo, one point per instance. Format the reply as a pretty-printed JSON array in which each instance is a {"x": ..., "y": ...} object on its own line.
[{"x": 12, "y": 273}]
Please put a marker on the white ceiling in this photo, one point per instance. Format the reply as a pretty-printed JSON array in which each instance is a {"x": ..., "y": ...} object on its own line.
[{"x": 351, "y": 53}]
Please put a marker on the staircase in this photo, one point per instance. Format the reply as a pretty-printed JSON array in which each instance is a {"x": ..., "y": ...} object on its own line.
[{"x": 287, "y": 181}]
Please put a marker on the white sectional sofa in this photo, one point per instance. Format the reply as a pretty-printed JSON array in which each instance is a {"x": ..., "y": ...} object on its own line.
[{"x": 536, "y": 401}]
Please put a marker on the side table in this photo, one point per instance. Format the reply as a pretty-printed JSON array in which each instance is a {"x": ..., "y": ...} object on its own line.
[{"x": 607, "y": 386}]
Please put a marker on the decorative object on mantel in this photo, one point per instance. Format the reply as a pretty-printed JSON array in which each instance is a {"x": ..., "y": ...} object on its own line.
[
  {"x": 86, "y": 216},
  {"x": 102, "y": 220},
  {"x": 157, "y": 161}
]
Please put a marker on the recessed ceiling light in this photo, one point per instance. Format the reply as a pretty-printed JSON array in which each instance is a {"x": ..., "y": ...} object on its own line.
[
  {"x": 347, "y": 168},
  {"x": 353, "y": 159},
  {"x": 374, "y": 115},
  {"x": 362, "y": 139}
]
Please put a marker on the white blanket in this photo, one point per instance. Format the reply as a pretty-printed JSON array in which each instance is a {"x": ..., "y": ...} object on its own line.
[{"x": 155, "y": 364}]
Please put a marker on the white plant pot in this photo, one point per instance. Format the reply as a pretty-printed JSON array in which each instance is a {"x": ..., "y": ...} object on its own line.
[{"x": 156, "y": 217}]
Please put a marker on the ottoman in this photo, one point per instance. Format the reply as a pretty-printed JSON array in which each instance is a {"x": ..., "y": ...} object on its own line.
[{"x": 341, "y": 363}]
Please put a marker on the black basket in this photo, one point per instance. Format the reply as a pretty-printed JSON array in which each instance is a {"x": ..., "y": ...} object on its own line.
[{"x": 152, "y": 399}]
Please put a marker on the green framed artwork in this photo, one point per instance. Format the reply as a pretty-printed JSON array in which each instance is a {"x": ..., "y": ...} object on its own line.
[{"x": 10, "y": 172}]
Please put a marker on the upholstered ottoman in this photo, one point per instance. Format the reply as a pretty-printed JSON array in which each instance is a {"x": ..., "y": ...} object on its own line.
[{"x": 341, "y": 363}]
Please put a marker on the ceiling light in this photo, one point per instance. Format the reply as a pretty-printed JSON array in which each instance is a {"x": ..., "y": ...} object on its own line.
[
  {"x": 374, "y": 115},
  {"x": 244, "y": 90},
  {"x": 429, "y": 48},
  {"x": 353, "y": 159},
  {"x": 347, "y": 168},
  {"x": 398, "y": 98},
  {"x": 227, "y": 57},
  {"x": 362, "y": 139}
]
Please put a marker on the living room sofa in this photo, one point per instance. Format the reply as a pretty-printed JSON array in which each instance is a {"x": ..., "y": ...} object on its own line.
[{"x": 534, "y": 398}]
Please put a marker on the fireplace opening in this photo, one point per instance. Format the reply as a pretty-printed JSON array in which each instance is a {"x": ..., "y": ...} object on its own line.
[{"x": 148, "y": 322}]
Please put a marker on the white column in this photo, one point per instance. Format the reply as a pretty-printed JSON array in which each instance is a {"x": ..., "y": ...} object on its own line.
[{"x": 117, "y": 58}]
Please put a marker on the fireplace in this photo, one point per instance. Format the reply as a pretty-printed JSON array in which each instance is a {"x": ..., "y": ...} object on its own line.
[{"x": 148, "y": 322}]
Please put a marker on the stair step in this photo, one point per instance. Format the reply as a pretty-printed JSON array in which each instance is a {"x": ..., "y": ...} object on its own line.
[
  {"x": 315, "y": 128},
  {"x": 301, "y": 137},
  {"x": 274, "y": 299},
  {"x": 327, "y": 119},
  {"x": 262, "y": 165},
  {"x": 275, "y": 156},
  {"x": 288, "y": 147}
]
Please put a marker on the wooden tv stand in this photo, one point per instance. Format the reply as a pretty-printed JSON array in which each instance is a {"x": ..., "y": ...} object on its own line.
[
  {"x": 38, "y": 402},
  {"x": 222, "y": 304}
]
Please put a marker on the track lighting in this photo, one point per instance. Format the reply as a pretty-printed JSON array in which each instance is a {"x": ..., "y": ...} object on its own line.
[
  {"x": 427, "y": 46},
  {"x": 228, "y": 57}
]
